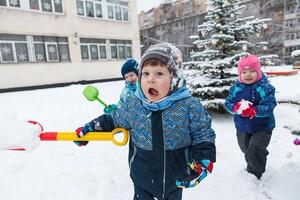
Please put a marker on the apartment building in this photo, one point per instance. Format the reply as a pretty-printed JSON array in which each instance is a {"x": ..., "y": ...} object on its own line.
[
  {"x": 46, "y": 42},
  {"x": 291, "y": 27},
  {"x": 175, "y": 22}
]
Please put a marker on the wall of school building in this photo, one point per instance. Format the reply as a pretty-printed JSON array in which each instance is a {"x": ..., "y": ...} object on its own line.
[{"x": 75, "y": 28}]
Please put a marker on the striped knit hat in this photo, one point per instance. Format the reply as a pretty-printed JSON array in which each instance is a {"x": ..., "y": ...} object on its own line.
[{"x": 172, "y": 57}]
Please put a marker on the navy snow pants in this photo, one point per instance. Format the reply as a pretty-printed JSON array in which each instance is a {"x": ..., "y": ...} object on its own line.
[{"x": 254, "y": 146}]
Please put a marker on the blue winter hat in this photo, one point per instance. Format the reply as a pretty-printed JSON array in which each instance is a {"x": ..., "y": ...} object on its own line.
[{"x": 130, "y": 65}]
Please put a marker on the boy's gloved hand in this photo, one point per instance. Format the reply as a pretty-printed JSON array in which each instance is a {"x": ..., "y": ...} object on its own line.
[
  {"x": 198, "y": 172},
  {"x": 82, "y": 131},
  {"x": 245, "y": 108},
  {"x": 110, "y": 108}
]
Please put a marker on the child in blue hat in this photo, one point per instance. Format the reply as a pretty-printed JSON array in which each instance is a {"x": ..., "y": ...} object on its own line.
[{"x": 129, "y": 71}]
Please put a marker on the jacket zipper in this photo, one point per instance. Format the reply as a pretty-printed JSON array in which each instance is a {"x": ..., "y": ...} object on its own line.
[
  {"x": 164, "y": 175},
  {"x": 132, "y": 158}
]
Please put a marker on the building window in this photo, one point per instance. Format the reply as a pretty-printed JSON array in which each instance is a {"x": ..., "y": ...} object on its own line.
[
  {"x": 2, "y": 2},
  {"x": 128, "y": 51},
  {"x": 89, "y": 8},
  {"x": 125, "y": 14},
  {"x": 7, "y": 54},
  {"x": 84, "y": 48},
  {"x": 96, "y": 49},
  {"x": 40, "y": 54},
  {"x": 10, "y": 3},
  {"x": 52, "y": 52},
  {"x": 13, "y": 48},
  {"x": 92, "y": 49},
  {"x": 292, "y": 36},
  {"x": 22, "y": 52},
  {"x": 34, "y": 4},
  {"x": 27, "y": 48},
  {"x": 58, "y": 7},
  {"x": 14, "y": 3},
  {"x": 102, "y": 51},
  {"x": 51, "y": 49},
  {"x": 117, "y": 10},
  {"x": 110, "y": 11},
  {"x": 49, "y": 6},
  {"x": 120, "y": 49}
]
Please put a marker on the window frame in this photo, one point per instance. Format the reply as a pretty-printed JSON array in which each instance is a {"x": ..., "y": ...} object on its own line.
[
  {"x": 118, "y": 44},
  {"x": 13, "y": 40},
  {"x": 108, "y": 45},
  {"x": 98, "y": 45},
  {"x": 118, "y": 3},
  {"x": 25, "y": 5},
  {"x": 27, "y": 48},
  {"x": 47, "y": 51},
  {"x": 94, "y": 2},
  {"x": 14, "y": 52},
  {"x": 31, "y": 50}
]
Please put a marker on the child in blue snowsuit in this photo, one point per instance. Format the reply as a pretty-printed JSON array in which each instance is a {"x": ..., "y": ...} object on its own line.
[
  {"x": 129, "y": 72},
  {"x": 173, "y": 142},
  {"x": 252, "y": 100}
]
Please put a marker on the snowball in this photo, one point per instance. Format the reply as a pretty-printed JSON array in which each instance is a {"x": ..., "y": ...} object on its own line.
[
  {"x": 21, "y": 135},
  {"x": 244, "y": 105}
]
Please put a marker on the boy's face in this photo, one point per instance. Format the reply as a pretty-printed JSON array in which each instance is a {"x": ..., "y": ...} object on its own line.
[
  {"x": 155, "y": 82},
  {"x": 131, "y": 77},
  {"x": 249, "y": 76}
]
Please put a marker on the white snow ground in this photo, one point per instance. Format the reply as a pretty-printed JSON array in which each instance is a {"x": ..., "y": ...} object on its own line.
[{"x": 99, "y": 171}]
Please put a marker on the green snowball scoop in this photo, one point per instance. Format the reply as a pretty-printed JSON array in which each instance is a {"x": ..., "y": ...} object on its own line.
[{"x": 91, "y": 93}]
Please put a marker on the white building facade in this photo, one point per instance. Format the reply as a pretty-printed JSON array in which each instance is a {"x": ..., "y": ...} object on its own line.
[{"x": 45, "y": 42}]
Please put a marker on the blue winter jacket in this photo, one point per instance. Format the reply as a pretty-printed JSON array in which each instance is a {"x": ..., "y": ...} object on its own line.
[
  {"x": 262, "y": 95},
  {"x": 126, "y": 92},
  {"x": 163, "y": 141}
]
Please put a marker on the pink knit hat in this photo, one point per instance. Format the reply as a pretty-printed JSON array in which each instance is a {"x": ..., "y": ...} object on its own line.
[{"x": 249, "y": 62}]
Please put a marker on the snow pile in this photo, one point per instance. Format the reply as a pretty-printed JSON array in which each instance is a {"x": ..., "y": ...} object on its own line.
[
  {"x": 19, "y": 134},
  {"x": 286, "y": 93},
  {"x": 295, "y": 53},
  {"x": 294, "y": 128}
]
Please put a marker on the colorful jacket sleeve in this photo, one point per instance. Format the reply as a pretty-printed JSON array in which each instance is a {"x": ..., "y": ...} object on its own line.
[
  {"x": 108, "y": 122},
  {"x": 267, "y": 102},
  {"x": 203, "y": 136},
  {"x": 230, "y": 100},
  {"x": 103, "y": 123},
  {"x": 120, "y": 117},
  {"x": 125, "y": 94},
  {"x": 122, "y": 97}
]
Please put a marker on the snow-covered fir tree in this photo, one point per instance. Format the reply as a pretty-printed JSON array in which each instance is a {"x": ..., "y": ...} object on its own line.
[{"x": 220, "y": 42}]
